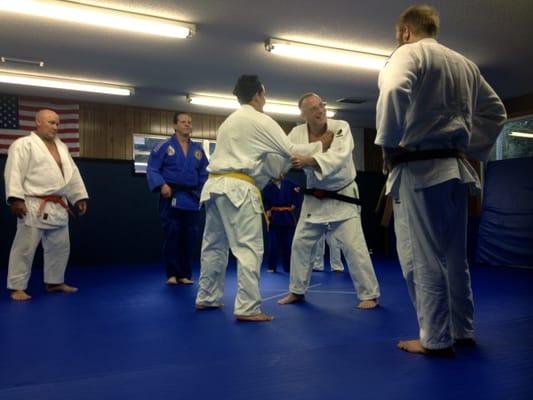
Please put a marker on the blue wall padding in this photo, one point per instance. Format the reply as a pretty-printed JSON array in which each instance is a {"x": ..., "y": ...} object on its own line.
[{"x": 506, "y": 226}]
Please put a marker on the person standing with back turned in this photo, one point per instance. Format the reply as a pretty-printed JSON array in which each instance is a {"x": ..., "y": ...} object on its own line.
[{"x": 434, "y": 108}]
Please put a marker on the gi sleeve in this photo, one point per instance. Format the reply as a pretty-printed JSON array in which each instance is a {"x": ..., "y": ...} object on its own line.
[
  {"x": 396, "y": 82},
  {"x": 16, "y": 169},
  {"x": 277, "y": 140},
  {"x": 487, "y": 121},
  {"x": 153, "y": 169},
  {"x": 75, "y": 190},
  {"x": 202, "y": 171}
]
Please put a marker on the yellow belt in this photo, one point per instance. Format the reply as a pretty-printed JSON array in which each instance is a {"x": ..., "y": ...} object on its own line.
[{"x": 242, "y": 177}]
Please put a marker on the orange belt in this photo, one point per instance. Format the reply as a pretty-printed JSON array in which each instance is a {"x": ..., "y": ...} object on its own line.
[
  {"x": 281, "y": 209},
  {"x": 52, "y": 199}
]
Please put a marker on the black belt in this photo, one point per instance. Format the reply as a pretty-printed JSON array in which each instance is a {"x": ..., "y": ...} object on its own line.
[
  {"x": 184, "y": 188},
  {"x": 409, "y": 156},
  {"x": 321, "y": 194}
]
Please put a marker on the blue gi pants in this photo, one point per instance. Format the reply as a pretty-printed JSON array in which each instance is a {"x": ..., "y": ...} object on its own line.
[{"x": 180, "y": 247}]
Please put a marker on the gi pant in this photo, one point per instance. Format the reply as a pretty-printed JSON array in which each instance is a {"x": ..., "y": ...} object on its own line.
[
  {"x": 279, "y": 246},
  {"x": 56, "y": 249},
  {"x": 335, "y": 260},
  {"x": 238, "y": 228},
  {"x": 181, "y": 228},
  {"x": 430, "y": 226},
  {"x": 350, "y": 237}
]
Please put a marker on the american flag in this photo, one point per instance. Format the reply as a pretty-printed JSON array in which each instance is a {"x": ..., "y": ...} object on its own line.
[{"x": 17, "y": 119}]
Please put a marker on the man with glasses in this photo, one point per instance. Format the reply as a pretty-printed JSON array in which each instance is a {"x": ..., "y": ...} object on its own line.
[{"x": 331, "y": 203}]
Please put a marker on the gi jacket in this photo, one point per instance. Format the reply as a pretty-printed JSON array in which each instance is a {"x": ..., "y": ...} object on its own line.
[{"x": 186, "y": 174}]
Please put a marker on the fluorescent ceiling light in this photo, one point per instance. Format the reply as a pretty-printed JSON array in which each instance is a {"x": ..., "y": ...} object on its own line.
[
  {"x": 227, "y": 102},
  {"x": 327, "y": 55},
  {"x": 528, "y": 135},
  {"x": 98, "y": 16},
  {"x": 60, "y": 83}
]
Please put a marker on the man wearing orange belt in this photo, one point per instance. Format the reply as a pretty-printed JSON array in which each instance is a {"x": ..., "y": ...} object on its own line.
[{"x": 40, "y": 178}]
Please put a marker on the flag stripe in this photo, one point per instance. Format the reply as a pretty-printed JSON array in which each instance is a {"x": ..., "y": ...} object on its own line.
[{"x": 68, "y": 113}]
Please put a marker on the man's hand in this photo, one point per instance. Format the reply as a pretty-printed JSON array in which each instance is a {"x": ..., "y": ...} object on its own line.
[
  {"x": 82, "y": 207},
  {"x": 18, "y": 207},
  {"x": 298, "y": 161},
  {"x": 326, "y": 140},
  {"x": 166, "y": 191}
]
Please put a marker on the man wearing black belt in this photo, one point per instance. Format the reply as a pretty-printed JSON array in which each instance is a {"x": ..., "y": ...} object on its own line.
[
  {"x": 331, "y": 203},
  {"x": 434, "y": 107},
  {"x": 177, "y": 170}
]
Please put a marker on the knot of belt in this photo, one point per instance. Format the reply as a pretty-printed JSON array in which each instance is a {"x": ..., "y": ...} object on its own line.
[{"x": 53, "y": 198}]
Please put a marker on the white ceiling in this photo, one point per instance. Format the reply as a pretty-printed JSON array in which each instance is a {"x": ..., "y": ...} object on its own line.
[{"x": 496, "y": 34}]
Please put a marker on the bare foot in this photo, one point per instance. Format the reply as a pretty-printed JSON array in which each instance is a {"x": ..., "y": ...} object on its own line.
[
  {"x": 414, "y": 346},
  {"x": 185, "y": 281},
  {"x": 255, "y": 318},
  {"x": 292, "y": 298},
  {"x": 203, "y": 307},
  {"x": 20, "y": 295},
  {"x": 61, "y": 287},
  {"x": 367, "y": 304},
  {"x": 172, "y": 281},
  {"x": 467, "y": 342}
]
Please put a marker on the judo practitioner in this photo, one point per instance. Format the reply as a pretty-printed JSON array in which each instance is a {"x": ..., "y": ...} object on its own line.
[
  {"x": 330, "y": 204},
  {"x": 335, "y": 260},
  {"x": 434, "y": 106},
  {"x": 251, "y": 149},
  {"x": 177, "y": 170},
  {"x": 40, "y": 177},
  {"x": 280, "y": 200}
]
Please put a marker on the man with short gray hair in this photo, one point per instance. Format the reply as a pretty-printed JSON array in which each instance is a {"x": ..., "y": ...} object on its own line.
[{"x": 331, "y": 204}]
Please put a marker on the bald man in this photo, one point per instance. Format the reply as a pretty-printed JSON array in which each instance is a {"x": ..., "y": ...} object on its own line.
[{"x": 40, "y": 177}]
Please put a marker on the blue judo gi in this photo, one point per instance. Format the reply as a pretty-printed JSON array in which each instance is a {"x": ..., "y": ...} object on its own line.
[
  {"x": 180, "y": 214},
  {"x": 278, "y": 202}
]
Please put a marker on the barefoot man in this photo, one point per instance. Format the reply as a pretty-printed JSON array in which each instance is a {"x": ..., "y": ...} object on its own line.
[
  {"x": 330, "y": 205},
  {"x": 248, "y": 142},
  {"x": 40, "y": 178},
  {"x": 434, "y": 106}
]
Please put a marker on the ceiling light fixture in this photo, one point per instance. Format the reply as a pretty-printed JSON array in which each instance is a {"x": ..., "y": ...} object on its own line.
[
  {"x": 98, "y": 16},
  {"x": 329, "y": 55},
  {"x": 61, "y": 83},
  {"x": 528, "y": 135},
  {"x": 229, "y": 102}
]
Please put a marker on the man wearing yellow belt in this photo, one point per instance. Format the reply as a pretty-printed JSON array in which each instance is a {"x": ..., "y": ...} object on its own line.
[
  {"x": 251, "y": 149},
  {"x": 40, "y": 176}
]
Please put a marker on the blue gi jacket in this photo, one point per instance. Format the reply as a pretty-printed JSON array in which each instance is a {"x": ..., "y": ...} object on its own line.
[
  {"x": 284, "y": 196},
  {"x": 185, "y": 174}
]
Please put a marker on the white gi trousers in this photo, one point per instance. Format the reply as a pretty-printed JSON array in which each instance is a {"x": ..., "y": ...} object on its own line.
[
  {"x": 56, "y": 250},
  {"x": 430, "y": 226},
  {"x": 335, "y": 260},
  {"x": 351, "y": 240},
  {"x": 238, "y": 228}
]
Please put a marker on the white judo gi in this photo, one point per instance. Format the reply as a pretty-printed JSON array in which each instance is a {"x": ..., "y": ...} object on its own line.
[
  {"x": 251, "y": 143},
  {"x": 335, "y": 259},
  {"x": 342, "y": 219},
  {"x": 434, "y": 98},
  {"x": 32, "y": 171}
]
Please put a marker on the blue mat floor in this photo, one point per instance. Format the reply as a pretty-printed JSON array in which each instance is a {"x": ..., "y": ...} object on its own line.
[{"x": 126, "y": 335}]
